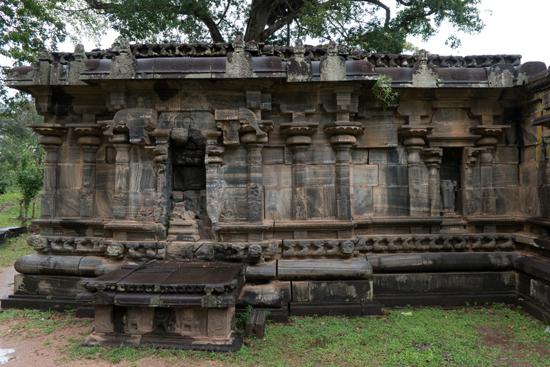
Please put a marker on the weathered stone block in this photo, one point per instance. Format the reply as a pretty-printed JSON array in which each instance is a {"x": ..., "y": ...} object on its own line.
[
  {"x": 278, "y": 204},
  {"x": 386, "y": 156},
  {"x": 362, "y": 202},
  {"x": 393, "y": 175},
  {"x": 391, "y": 201},
  {"x": 68, "y": 203},
  {"x": 364, "y": 175},
  {"x": 277, "y": 175},
  {"x": 356, "y": 268},
  {"x": 505, "y": 175}
]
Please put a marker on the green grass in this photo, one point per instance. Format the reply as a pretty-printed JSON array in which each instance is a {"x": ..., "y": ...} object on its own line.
[
  {"x": 493, "y": 335},
  {"x": 13, "y": 249},
  {"x": 9, "y": 206},
  {"x": 34, "y": 322},
  {"x": 481, "y": 336}
]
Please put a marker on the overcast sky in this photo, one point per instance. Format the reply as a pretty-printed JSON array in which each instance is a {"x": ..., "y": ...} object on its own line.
[
  {"x": 515, "y": 27},
  {"x": 511, "y": 27}
]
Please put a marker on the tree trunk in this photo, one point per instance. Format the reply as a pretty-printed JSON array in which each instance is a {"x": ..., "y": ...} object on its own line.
[
  {"x": 26, "y": 213},
  {"x": 21, "y": 213},
  {"x": 259, "y": 12}
]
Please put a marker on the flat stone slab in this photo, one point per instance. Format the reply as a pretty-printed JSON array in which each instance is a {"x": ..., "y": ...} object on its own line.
[
  {"x": 187, "y": 284},
  {"x": 167, "y": 305},
  {"x": 11, "y": 232}
]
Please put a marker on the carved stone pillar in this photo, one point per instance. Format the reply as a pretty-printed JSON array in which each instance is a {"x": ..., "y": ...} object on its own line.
[
  {"x": 122, "y": 176},
  {"x": 299, "y": 141},
  {"x": 488, "y": 142},
  {"x": 470, "y": 201},
  {"x": 432, "y": 158},
  {"x": 419, "y": 202},
  {"x": 51, "y": 140},
  {"x": 342, "y": 140},
  {"x": 254, "y": 145},
  {"x": 213, "y": 162},
  {"x": 89, "y": 142},
  {"x": 160, "y": 150}
]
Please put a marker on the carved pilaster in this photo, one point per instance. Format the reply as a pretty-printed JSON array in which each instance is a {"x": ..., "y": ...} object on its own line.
[
  {"x": 432, "y": 158},
  {"x": 488, "y": 142},
  {"x": 122, "y": 176},
  {"x": 342, "y": 140},
  {"x": 51, "y": 140},
  {"x": 254, "y": 145},
  {"x": 89, "y": 143},
  {"x": 160, "y": 150},
  {"x": 213, "y": 162},
  {"x": 415, "y": 136},
  {"x": 470, "y": 202},
  {"x": 299, "y": 140}
]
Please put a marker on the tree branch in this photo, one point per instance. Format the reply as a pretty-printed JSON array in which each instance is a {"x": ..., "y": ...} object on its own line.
[
  {"x": 278, "y": 25},
  {"x": 98, "y": 5},
  {"x": 383, "y": 6},
  {"x": 212, "y": 27},
  {"x": 225, "y": 12},
  {"x": 405, "y": 23},
  {"x": 198, "y": 13}
]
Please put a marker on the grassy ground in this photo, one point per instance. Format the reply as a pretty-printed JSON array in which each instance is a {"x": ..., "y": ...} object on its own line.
[
  {"x": 477, "y": 336},
  {"x": 14, "y": 248},
  {"x": 9, "y": 208}
]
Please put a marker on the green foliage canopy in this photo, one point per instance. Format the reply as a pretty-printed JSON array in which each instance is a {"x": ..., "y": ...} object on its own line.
[
  {"x": 29, "y": 25},
  {"x": 19, "y": 148},
  {"x": 367, "y": 24}
]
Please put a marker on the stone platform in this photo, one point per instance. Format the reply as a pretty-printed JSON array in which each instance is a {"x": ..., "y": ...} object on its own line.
[{"x": 166, "y": 305}]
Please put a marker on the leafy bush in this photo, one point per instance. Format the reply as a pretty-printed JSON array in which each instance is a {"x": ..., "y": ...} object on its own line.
[{"x": 30, "y": 183}]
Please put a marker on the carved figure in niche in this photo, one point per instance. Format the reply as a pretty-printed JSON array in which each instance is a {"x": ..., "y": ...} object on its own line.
[
  {"x": 448, "y": 196},
  {"x": 186, "y": 322},
  {"x": 103, "y": 321},
  {"x": 139, "y": 320}
]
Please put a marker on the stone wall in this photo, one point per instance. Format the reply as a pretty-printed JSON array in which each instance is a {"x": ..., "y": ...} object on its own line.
[{"x": 272, "y": 156}]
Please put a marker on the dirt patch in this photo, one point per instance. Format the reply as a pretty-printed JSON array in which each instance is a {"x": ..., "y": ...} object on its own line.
[
  {"x": 43, "y": 351},
  {"x": 31, "y": 350},
  {"x": 542, "y": 349},
  {"x": 495, "y": 338},
  {"x": 6, "y": 281}
]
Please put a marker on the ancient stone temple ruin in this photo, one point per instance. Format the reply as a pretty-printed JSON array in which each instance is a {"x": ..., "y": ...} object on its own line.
[{"x": 185, "y": 182}]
